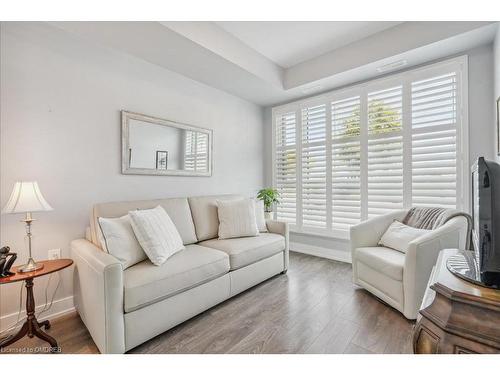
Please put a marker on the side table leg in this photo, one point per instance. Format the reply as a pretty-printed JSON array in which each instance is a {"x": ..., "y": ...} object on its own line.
[
  {"x": 45, "y": 324},
  {"x": 37, "y": 331},
  {"x": 22, "y": 332}
]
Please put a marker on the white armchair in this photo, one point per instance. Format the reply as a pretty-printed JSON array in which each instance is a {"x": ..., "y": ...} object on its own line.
[{"x": 397, "y": 278}]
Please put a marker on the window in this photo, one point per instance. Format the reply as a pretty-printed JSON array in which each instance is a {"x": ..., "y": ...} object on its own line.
[{"x": 349, "y": 155}]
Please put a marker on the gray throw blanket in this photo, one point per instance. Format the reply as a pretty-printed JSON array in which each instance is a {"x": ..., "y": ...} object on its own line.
[{"x": 434, "y": 217}]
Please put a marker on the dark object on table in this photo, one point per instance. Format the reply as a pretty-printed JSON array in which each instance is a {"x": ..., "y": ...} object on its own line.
[
  {"x": 6, "y": 263},
  {"x": 486, "y": 220},
  {"x": 464, "y": 265}
]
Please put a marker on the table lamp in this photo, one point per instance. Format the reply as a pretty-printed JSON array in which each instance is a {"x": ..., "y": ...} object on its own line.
[{"x": 26, "y": 198}]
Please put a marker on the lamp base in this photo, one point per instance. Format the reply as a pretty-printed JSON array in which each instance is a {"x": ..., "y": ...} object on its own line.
[{"x": 30, "y": 266}]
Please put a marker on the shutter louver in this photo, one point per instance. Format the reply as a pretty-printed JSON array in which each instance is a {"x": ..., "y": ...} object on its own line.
[
  {"x": 314, "y": 167},
  {"x": 385, "y": 151},
  {"x": 434, "y": 153},
  {"x": 346, "y": 189},
  {"x": 286, "y": 166}
]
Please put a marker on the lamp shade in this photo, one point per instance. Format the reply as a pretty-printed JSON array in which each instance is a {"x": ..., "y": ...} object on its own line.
[{"x": 26, "y": 197}]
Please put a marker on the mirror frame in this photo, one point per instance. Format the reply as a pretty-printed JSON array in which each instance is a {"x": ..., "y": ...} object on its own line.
[{"x": 126, "y": 169}]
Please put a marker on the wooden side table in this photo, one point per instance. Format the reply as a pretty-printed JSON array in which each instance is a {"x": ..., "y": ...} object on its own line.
[
  {"x": 457, "y": 316},
  {"x": 32, "y": 327}
]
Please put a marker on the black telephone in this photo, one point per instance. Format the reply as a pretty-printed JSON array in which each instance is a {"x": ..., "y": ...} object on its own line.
[{"x": 6, "y": 264}]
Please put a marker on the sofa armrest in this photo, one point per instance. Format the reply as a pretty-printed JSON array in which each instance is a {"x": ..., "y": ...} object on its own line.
[
  {"x": 422, "y": 255},
  {"x": 98, "y": 295},
  {"x": 280, "y": 227}
]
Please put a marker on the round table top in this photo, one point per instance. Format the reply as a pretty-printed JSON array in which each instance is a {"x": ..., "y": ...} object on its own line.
[{"x": 49, "y": 266}]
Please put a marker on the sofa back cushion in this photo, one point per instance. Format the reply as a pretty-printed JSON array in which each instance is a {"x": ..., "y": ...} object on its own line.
[
  {"x": 177, "y": 208},
  {"x": 205, "y": 217}
]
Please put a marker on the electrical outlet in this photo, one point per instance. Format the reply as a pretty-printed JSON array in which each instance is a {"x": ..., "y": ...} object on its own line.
[{"x": 55, "y": 254}]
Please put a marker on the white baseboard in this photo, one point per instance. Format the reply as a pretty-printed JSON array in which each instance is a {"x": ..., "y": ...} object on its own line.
[
  {"x": 323, "y": 252},
  {"x": 59, "y": 307}
]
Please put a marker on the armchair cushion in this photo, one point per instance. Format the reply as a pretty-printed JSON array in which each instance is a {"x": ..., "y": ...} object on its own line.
[
  {"x": 398, "y": 236},
  {"x": 387, "y": 261}
]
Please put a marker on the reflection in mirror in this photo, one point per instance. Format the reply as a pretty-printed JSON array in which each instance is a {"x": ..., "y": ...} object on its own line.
[{"x": 156, "y": 146}]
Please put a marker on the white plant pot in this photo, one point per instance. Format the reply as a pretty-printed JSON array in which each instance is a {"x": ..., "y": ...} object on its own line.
[{"x": 268, "y": 215}]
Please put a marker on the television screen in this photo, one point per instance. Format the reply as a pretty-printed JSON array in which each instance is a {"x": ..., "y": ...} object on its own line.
[{"x": 486, "y": 219}]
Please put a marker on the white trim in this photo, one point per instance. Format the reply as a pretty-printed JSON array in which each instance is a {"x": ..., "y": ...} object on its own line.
[
  {"x": 322, "y": 252},
  {"x": 463, "y": 132},
  {"x": 298, "y": 168},
  {"x": 59, "y": 307}
]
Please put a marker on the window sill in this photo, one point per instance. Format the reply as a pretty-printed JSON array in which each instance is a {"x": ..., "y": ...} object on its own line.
[{"x": 342, "y": 235}]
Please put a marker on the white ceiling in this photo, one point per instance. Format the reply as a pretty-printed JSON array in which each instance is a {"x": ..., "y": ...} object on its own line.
[
  {"x": 207, "y": 53},
  {"x": 292, "y": 42}
]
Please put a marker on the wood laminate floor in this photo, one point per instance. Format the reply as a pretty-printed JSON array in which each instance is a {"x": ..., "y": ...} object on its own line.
[{"x": 314, "y": 308}]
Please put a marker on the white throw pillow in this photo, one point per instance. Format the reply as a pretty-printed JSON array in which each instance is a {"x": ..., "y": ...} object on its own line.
[
  {"x": 119, "y": 240},
  {"x": 237, "y": 218},
  {"x": 259, "y": 215},
  {"x": 399, "y": 235},
  {"x": 156, "y": 233}
]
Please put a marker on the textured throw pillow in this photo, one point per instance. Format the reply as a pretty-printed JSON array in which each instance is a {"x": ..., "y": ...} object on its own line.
[
  {"x": 259, "y": 215},
  {"x": 237, "y": 218},
  {"x": 156, "y": 233},
  {"x": 399, "y": 235},
  {"x": 119, "y": 240}
]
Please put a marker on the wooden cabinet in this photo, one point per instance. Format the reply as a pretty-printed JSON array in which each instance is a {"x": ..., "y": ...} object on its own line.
[{"x": 457, "y": 316}]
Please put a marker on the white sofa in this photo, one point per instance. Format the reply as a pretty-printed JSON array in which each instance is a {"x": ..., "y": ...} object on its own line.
[
  {"x": 397, "y": 278},
  {"x": 124, "y": 308}
]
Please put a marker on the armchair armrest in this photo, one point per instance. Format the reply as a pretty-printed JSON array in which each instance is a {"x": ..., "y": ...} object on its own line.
[
  {"x": 422, "y": 255},
  {"x": 98, "y": 295},
  {"x": 280, "y": 227}
]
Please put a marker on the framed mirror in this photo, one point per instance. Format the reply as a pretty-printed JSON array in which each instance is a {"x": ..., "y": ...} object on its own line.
[{"x": 154, "y": 146}]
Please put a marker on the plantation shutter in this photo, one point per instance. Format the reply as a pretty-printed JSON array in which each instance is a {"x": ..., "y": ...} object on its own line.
[
  {"x": 314, "y": 166},
  {"x": 434, "y": 141},
  {"x": 286, "y": 166},
  {"x": 353, "y": 154},
  {"x": 385, "y": 151},
  {"x": 346, "y": 189}
]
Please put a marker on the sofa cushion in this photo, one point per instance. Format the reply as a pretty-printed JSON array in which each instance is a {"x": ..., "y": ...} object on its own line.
[
  {"x": 248, "y": 250},
  {"x": 382, "y": 259},
  {"x": 205, "y": 218},
  {"x": 260, "y": 216},
  {"x": 177, "y": 208},
  {"x": 145, "y": 283},
  {"x": 120, "y": 241},
  {"x": 156, "y": 233},
  {"x": 237, "y": 218}
]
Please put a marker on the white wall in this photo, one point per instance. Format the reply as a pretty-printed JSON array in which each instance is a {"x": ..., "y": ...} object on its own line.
[
  {"x": 60, "y": 125},
  {"x": 481, "y": 131}
]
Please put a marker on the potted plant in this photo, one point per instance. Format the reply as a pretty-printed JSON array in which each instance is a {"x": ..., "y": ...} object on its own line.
[{"x": 269, "y": 196}]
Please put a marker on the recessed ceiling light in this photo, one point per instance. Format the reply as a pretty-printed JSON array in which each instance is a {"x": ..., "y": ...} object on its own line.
[{"x": 392, "y": 66}]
